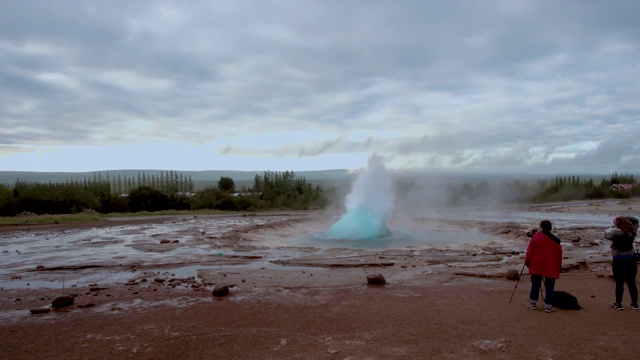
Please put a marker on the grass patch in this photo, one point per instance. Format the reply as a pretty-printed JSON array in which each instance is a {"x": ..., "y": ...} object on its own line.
[
  {"x": 49, "y": 219},
  {"x": 71, "y": 218},
  {"x": 167, "y": 212}
]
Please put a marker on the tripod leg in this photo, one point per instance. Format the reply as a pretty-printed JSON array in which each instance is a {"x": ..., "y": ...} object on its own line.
[{"x": 517, "y": 282}]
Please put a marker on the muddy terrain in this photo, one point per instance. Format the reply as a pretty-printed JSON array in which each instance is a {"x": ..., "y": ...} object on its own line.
[{"x": 142, "y": 288}]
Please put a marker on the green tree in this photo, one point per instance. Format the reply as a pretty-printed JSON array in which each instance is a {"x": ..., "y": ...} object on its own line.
[
  {"x": 146, "y": 198},
  {"x": 226, "y": 184}
]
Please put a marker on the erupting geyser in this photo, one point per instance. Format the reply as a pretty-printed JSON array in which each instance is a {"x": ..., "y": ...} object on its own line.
[{"x": 369, "y": 205}]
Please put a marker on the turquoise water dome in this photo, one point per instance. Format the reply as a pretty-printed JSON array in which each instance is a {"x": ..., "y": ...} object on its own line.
[{"x": 369, "y": 205}]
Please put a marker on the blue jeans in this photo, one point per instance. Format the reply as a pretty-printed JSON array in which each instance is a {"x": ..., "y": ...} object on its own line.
[{"x": 549, "y": 284}]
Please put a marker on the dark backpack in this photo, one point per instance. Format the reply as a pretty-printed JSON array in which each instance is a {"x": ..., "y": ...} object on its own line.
[{"x": 566, "y": 301}]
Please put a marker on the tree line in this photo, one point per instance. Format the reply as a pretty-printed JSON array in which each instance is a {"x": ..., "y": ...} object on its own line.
[
  {"x": 272, "y": 190},
  {"x": 559, "y": 188},
  {"x": 170, "y": 190}
]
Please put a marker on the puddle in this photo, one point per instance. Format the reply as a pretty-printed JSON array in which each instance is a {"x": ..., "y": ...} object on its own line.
[
  {"x": 184, "y": 246},
  {"x": 397, "y": 239}
]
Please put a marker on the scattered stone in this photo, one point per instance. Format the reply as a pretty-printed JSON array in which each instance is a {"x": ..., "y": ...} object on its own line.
[
  {"x": 40, "y": 311},
  {"x": 164, "y": 241},
  {"x": 376, "y": 279},
  {"x": 159, "y": 280},
  {"x": 491, "y": 345},
  {"x": 512, "y": 274},
  {"x": 220, "y": 290},
  {"x": 62, "y": 301},
  {"x": 574, "y": 238},
  {"x": 39, "y": 267}
]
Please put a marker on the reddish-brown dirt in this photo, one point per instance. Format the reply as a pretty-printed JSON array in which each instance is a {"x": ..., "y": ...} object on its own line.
[{"x": 434, "y": 316}]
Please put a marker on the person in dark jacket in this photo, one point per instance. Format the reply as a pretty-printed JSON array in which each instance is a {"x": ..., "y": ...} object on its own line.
[
  {"x": 544, "y": 259},
  {"x": 624, "y": 265}
]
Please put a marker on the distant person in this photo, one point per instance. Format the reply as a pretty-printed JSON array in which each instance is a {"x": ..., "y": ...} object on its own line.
[
  {"x": 544, "y": 259},
  {"x": 624, "y": 266}
]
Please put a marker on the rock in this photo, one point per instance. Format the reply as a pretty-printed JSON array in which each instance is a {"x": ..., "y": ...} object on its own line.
[
  {"x": 220, "y": 290},
  {"x": 62, "y": 301},
  {"x": 491, "y": 345},
  {"x": 512, "y": 274},
  {"x": 164, "y": 241},
  {"x": 40, "y": 311},
  {"x": 574, "y": 238},
  {"x": 376, "y": 279},
  {"x": 159, "y": 280},
  {"x": 39, "y": 267}
]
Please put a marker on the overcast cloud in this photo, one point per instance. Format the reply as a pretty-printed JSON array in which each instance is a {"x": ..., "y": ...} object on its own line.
[{"x": 511, "y": 86}]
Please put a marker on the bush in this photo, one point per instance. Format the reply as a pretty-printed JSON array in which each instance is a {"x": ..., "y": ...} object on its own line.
[{"x": 146, "y": 198}]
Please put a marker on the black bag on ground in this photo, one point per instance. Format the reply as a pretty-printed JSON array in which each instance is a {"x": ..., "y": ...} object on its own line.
[{"x": 564, "y": 300}]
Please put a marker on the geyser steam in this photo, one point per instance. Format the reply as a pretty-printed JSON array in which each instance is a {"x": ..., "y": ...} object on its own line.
[{"x": 369, "y": 205}]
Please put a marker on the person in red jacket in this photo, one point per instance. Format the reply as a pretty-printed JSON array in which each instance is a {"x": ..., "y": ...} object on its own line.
[{"x": 544, "y": 259}]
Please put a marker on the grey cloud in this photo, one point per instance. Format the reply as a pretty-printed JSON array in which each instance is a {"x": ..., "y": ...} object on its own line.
[
  {"x": 321, "y": 148},
  {"x": 462, "y": 78}
]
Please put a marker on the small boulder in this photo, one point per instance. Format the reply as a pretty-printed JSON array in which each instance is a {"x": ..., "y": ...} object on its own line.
[
  {"x": 220, "y": 290},
  {"x": 62, "y": 301},
  {"x": 512, "y": 274},
  {"x": 574, "y": 238},
  {"x": 376, "y": 279},
  {"x": 40, "y": 311}
]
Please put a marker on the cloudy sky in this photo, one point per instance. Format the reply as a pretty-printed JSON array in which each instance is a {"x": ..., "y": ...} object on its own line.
[{"x": 511, "y": 86}]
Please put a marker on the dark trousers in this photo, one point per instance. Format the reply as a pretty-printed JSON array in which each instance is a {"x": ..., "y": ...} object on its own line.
[
  {"x": 624, "y": 271},
  {"x": 549, "y": 285}
]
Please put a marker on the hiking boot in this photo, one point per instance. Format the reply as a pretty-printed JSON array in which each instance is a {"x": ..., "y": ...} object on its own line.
[
  {"x": 617, "y": 306},
  {"x": 532, "y": 306},
  {"x": 549, "y": 310},
  {"x": 634, "y": 306}
]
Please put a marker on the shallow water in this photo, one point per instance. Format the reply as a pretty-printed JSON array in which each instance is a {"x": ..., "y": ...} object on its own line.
[
  {"x": 396, "y": 239},
  {"x": 185, "y": 246}
]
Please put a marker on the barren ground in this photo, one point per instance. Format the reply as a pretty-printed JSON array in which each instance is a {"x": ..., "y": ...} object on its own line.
[{"x": 143, "y": 290}]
